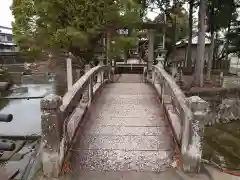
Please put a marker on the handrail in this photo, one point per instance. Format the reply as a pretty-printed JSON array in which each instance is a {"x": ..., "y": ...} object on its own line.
[
  {"x": 185, "y": 116},
  {"x": 78, "y": 87},
  {"x": 61, "y": 117},
  {"x": 178, "y": 100},
  {"x": 180, "y": 96}
]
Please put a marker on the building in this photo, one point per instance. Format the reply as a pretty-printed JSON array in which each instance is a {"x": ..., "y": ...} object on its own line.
[
  {"x": 6, "y": 40},
  {"x": 181, "y": 49}
]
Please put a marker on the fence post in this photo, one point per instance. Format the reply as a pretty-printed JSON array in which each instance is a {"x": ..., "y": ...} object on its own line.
[
  {"x": 51, "y": 122},
  {"x": 192, "y": 152},
  {"x": 85, "y": 97}
]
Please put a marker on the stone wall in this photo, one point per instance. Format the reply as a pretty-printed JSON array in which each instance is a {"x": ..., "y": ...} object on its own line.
[{"x": 42, "y": 78}]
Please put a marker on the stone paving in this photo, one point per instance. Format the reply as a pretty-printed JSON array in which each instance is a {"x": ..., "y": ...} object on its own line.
[{"x": 124, "y": 134}]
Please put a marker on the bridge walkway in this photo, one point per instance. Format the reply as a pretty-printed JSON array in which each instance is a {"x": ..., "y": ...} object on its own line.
[{"x": 124, "y": 134}]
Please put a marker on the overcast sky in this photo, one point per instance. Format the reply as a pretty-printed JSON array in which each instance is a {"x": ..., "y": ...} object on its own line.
[{"x": 5, "y": 14}]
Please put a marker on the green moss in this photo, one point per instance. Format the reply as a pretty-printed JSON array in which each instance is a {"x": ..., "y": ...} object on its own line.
[{"x": 222, "y": 145}]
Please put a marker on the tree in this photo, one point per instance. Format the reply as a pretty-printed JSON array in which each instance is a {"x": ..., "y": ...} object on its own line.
[
  {"x": 178, "y": 19},
  {"x": 212, "y": 32},
  {"x": 221, "y": 14},
  {"x": 190, "y": 34},
  {"x": 75, "y": 26},
  {"x": 123, "y": 43},
  {"x": 201, "y": 45},
  {"x": 232, "y": 34}
]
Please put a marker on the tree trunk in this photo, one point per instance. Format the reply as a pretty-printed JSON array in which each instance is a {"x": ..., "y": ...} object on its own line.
[
  {"x": 229, "y": 30},
  {"x": 108, "y": 44},
  {"x": 216, "y": 50},
  {"x": 210, "y": 56},
  {"x": 174, "y": 38},
  {"x": 227, "y": 39},
  {"x": 201, "y": 45},
  {"x": 211, "y": 51},
  {"x": 190, "y": 32}
]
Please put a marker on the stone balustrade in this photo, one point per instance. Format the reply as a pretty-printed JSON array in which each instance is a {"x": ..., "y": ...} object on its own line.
[
  {"x": 185, "y": 115},
  {"x": 61, "y": 117}
]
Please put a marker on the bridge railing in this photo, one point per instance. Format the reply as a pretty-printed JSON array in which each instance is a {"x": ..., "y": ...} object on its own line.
[
  {"x": 185, "y": 115},
  {"x": 61, "y": 117}
]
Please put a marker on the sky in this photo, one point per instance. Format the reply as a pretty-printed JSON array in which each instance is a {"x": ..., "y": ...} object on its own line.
[{"x": 6, "y": 17}]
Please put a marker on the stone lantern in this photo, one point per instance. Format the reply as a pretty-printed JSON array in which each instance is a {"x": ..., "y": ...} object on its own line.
[
  {"x": 160, "y": 55},
  {"x": 101, "y": 59}
]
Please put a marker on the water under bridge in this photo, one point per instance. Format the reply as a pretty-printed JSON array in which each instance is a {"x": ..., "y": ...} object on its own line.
[{"x": 123, "y": 126}]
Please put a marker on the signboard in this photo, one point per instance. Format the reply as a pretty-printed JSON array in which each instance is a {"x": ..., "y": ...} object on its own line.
[
  {"x": 231, "y": 82},
  {"x": 122, "y": 31}
]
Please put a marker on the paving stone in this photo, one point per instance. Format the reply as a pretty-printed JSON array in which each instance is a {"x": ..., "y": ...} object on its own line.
[
  {"x": 151, "y": 143},
  {"x": 124, "y": 131},
  {"x": 119, "y": 160},
  {"x": 127, "y": 130}
]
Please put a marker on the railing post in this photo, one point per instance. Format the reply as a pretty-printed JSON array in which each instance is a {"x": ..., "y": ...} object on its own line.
[
  {"x": 162, "y": 84},
  {"x": 86, "y": 94},
  {"x": 153, "y": 75},
  {"x": 90, "y": 88},
  {"x": 78, "y": 74},
  {"x": 145, "y": 74},
  {"x": 115, "y": 66},
  {"x": 100, "y": 75},
  {"x": 193, "y": 137},
  {"x": 110, "y": 76},
  {"x": 69, "y": 72},
  {"x": 51, "y": 122}
]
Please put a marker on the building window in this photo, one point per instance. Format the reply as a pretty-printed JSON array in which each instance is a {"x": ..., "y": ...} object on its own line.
[
  {"x": 9, "y": 38},
  {"x": 1, "y": 37}
]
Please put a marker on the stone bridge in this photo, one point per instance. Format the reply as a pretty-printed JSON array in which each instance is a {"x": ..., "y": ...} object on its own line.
[{"x": 122, "y": 126}]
